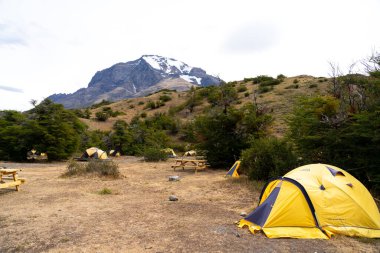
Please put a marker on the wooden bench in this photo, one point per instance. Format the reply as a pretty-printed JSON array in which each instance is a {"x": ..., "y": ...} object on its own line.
[
  {"x": 13, "y": 181},
  {"x": 190, "y": 163}
]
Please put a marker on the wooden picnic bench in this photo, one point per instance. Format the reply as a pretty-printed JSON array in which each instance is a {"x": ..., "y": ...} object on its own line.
[
  {"x": 6, "y": 182},
  {"x": 190, "y": 163}
]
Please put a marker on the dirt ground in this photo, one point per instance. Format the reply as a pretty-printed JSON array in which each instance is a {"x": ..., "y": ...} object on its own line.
[{"x": 54, "y": 214}]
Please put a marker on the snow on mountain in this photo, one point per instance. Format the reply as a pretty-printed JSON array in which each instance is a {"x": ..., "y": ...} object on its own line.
[
  {"x": 135, "y": 78},
  {"x": 171, "y": 66}
]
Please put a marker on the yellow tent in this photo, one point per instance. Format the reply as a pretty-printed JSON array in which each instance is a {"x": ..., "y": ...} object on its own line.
[
  {"x": 94, "y": 153},
  {"x": 114, "y": 153},
  {"x": 315, "y": 201},
  {"x": 170, "y": 152},
  {"x": 190, "y": 153},
  {"x": 233, "y": 171}
]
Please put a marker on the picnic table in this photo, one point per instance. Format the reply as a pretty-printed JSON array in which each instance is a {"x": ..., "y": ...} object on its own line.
[
  {"x": 11, "y": 181},
  {"x": 190, "y": 163}
]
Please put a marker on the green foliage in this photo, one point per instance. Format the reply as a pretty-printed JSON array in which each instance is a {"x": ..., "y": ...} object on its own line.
[
  {"x": 267, "y": 158},
  {"x": 224, "y": 135},
  {"x": 242, "y": 88},
  {"x": 48, "y": 128},
  {"x": 105, "y": 191},
  {"x": 292, "y": 86},
  {"x": 296, "y": 81},
  {"x": 152, "y": 154},
  {"x": 264, "y": 89},
  {"x": 93, "y": 167},
  {"x": 281, "y": 77},
  {"x": 246, "y": 94},
  {"x": 325, "y": 130},
  {"x": 165, "y": 98},
  {"x": 102, "y": 116},
  {"x": 313, "y": 85},
  {"x": 140, "y": 103}
]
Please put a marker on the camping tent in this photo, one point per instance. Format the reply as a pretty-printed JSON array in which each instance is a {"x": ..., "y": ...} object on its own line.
[
  {"x": 315, "y": 201},
  {"x": 94, "y": 153},
  {"x": 170, "y": 152},
  {"x": 233, "y": 171},
  {"x": 190, "y": 153},
  {"x": 114, "y": 153}
]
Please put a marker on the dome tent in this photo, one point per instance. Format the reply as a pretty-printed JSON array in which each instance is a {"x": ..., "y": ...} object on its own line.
[
  {"x": 315, "y": 201},
  {"x": 94, "y": 153}
]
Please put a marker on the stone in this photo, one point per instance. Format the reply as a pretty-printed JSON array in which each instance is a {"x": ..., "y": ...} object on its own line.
[
  {"x": 243, "y": 214},
  {"x": 173, "y": 198},
  {"x": 173, "y": 178}
]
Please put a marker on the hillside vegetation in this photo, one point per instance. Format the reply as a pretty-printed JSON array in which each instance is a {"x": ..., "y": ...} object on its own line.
[
  {"x": 273, "y": 124},
  {"x": 277, "y": 101}
]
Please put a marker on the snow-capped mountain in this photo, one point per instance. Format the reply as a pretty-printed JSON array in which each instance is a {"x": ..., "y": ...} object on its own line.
[{"x": 145, "y": 75}]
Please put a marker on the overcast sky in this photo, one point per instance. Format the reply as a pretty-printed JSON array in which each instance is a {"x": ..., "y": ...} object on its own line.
[{"x": 56, "y": 46}]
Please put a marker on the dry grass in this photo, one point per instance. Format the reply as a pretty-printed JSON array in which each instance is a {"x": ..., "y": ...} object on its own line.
[{"x": 54, "y": 214}]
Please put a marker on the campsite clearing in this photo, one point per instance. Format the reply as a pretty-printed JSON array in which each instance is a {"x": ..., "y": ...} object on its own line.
[{"x": 54, "y": 214}]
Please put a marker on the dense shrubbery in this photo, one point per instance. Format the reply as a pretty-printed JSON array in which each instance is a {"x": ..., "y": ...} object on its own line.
[
  {"x": 153, "y": 154},
  {"x": 224, "y": 135},
  {"x": 267, "y": 158},
  {"x": 48, "y": 128}
]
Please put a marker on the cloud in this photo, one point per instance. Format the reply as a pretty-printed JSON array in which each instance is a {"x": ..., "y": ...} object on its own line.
[
  {"x": 252, "y": 38},
  {"x": 11, "y": 35},
  {"x": 11, "y": 89}
]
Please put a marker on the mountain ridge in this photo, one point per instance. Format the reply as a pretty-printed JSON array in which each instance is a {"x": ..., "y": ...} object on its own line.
[{"x": 136, "y": 78}]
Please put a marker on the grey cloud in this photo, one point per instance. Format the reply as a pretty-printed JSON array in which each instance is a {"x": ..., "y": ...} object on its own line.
[
  {"x": 11, "y": 89},
  {"x": 252, "y": 37},
  {"x": 10, "y": 35}
]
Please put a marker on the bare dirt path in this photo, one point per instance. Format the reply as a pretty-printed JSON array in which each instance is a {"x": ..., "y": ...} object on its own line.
[{"x": 53, "y": 214}]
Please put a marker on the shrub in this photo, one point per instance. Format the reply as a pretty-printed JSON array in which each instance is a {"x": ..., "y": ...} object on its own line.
[
  {"x": 150, "y": 105},
  {"x": 246, "y": 94},
  {"x": 141, "y": 103},
  {"x": 95, "y": 167},
  {"x": 268, "y": 158},
  {"x": 154, "y": 155},
  {"x": 242, "y": 88},
  {"x": 165, "y": 98},
  {"x": 143, "y": 115},
  {"x": 105, "y": 191},
  {"x": 313, "y": 85},
  {"x": 102, "y": 116},
  {"x": 281, "y": 76},
  {"x": 296, "y": 81},
  {"x": 264, "y": 89},
  {"x": 131, "y": 106},
  {"x": 293, "y": 86}
]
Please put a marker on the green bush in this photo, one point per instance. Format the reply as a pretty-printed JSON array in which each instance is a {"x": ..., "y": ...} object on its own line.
[
  {"x": 281, "y": 76},
  {"x": 242, "y": 88},
  {"x": 141, "y": 103},
  {"x": 154, "y": 155},
  {"x": 102, "y": 116},
  {"x": 313, "y": 85},
  {"x": 268, "y": 158},
  {"x": 296, "y": 81},
  {"x": 165, "y": 98},
  {"x": 143, "y": 115},
  {"x": 264, "y": 89},
  {"x": 293, "y": 86},
  {"x": 246, "y": 94},
  {"x": 105, "y": 191}
]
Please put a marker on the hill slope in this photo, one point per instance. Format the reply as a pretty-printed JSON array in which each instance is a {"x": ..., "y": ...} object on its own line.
[{"x": 277, "y": 102}]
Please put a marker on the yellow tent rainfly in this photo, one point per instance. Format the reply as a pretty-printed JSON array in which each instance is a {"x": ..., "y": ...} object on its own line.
[
  {"x": 315, "y": 201},
  {"x": 94, "y": 153},
  {"x": 233, "y": 171}
]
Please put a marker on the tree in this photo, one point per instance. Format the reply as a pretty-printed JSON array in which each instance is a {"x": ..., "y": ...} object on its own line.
[{"x": 223, "y": 135}]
